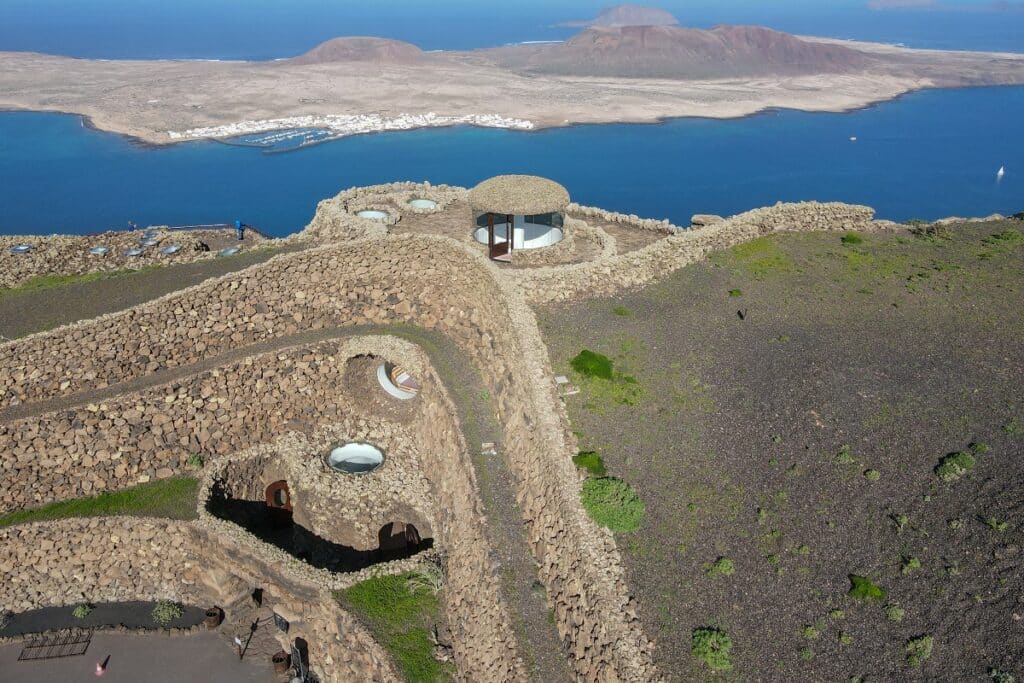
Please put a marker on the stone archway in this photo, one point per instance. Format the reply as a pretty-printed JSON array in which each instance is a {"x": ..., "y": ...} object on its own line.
[{"x": 400, "y": 539}]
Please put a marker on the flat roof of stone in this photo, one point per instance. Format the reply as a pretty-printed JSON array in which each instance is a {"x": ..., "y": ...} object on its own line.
[{"x": 520, "y": 195}]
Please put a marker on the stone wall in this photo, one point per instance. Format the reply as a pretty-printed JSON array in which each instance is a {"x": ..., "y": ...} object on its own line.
[
  {"x": 609, "y": 275},
  {"x": 69, "y": 254},
  {"x": 438, "y": 284},
  {"x": 46, "y": 564}
]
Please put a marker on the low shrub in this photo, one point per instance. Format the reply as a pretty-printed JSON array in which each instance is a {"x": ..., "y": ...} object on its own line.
[
  {"x": 954, "y": 466},
  {"x": 895, "y": 613},
  {"x": 713, "y": 647},
  {"x": 591, "y": 462},
  {"x": 622, "y": 311},
  {"x": 919, "y": 650},
  {"x": 909, "y": 564},
  {"x": 591, "y": 365},
  {"x": 723, "y": 566},
  {"x": 852, "y": 238},
  {"x": 612, "y": 503},
  {"x": 81, "y": 610},
  {"x": 861, "y": 588},
  {"x": 166, "y": 611},
  {"x": 734, "y": 293}
]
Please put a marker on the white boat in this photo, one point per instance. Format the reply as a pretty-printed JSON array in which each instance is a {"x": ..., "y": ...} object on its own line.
[
  {"x": 1000, "y": 173},
  {"x": 853, "y": 138}
]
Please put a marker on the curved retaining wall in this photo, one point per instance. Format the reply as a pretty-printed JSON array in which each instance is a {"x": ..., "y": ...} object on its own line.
[
  {"x": 433, "y": 282},
  {"x": 610, "y": 274}
]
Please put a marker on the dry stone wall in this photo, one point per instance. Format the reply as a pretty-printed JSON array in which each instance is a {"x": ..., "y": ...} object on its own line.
[
  {"x": 608, "y": 275},
  {"x": 432, "y": 282},
  {"x": 69, "y": 254},
  {"x": 47, "y": 564}
]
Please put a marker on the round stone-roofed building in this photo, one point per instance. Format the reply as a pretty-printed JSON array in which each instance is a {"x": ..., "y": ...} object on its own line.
[{"x": 517, "y": 212}]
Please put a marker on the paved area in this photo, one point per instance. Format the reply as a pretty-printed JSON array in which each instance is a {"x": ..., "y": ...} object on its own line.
[{"x": 153, "y": 659}]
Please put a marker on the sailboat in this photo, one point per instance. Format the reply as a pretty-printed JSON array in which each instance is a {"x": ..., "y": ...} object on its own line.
[{"x": 1000, "y": 173}]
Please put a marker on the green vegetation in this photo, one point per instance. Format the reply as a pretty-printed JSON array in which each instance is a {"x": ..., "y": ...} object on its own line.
[
  {"x": 978, "y": 448},
  {"x": 622, "y": 311},
  {"x": 44, "y": 282},
  {"x": 862, "y": 588},
  {"x": 713, "y": 647},
  {"x": 1013, "y": 427},
  {"x": 591, "y": 462},
  {"x": 806, "y": 654},
  {"x": 592, "y": 365},
  {"x": 872, "y": 475},
  {"x": 174, "y": 498},
  {"x": 954, "y": 466},
  {"x": 909, "y": 564},
  {"x": 734, "y": 293},
  {"x": 612, "y": 503},
  {"x": 598, "y": 375},
  {"x": 844, "y": 456},
  {"x": 919, "y": 650},
  {"x": 166, "y": 611},
  {"x": 723, "y": 566},
  {"x": 400, "y": 612},
  {"x": 762, "y": 257},
  {"x": 195, "y": 461},
  {"x": 996, "y": 675},
  {"x": 845, "y": 638},
  {"x": 895, "y": 613},
  {"x": 81, "y": 610},
  {"x": 851, "y": 238},
  {"x": 810, "y": 632},
  {"x": 995, "y": 524},
  {"x": 837, "y": 614}
]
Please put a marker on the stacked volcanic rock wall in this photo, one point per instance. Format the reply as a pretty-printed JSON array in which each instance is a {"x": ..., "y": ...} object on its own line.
[
  {"x": 633, "y": 269},
  {"x": 435, "y": 283},
  {"x": 134, "y": 438},
  {"x": 69, "y": 254},
  {"x": 47, "y": 564}
]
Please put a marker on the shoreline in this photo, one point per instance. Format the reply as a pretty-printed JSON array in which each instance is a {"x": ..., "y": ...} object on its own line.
[{"x": 540, "y": 126}]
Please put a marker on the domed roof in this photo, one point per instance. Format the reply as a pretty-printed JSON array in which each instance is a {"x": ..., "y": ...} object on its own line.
[{"x": 520, "y": 195}]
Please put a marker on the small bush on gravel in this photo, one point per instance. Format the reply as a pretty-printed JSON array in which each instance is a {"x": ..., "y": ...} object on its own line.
[
  {"x": 166, "y": 611},
  {"x": 1013, "y": 427},
  {"x": 723, "y": 566},
  {"x": 872, "y": 475},
  {"x": 713, "y": 647},
  {"x": 735, "y": 293},
  {"x": 591, "y": 365},
  {"x": 622, "y": 311},
  {"x": 954, "y": 466},
  {"x": 81, "y": 610},
  {"x": 852, "y": 238},
  {"x": 862, "y": 588},
  {"x": 894, "y": 613},
  {"x": 909, "y": 565},
  {"x": 591, "y": 462},
  {"x": 195, "y": 461},
  {"x": 612, "y": 503},
  {"x": 996, "y": 675},
  {"x": 919, "y": 650}
]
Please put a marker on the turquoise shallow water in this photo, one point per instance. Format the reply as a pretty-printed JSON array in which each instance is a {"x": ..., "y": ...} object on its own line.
[{"x": 927, "y": 155}]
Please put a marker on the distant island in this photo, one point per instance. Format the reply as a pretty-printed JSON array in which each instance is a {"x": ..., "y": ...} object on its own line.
[{"x": 629, "y": 64}]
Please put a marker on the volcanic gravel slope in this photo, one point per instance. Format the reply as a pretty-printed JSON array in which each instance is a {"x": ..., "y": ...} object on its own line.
[{"x": 794, "y": 427}]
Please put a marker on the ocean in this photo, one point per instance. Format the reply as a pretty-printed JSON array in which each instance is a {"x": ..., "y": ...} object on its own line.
[{"x": 927, "y": 155}]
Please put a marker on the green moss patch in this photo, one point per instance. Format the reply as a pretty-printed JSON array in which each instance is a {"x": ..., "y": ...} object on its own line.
[
  {"x": 851, "y": 238},
  {"x": 861, "y": 588},
  {"x": 44, "y": 282},
  {"x": 919, "y": 650},
  {"x": 174, "y": 498},
  {"x": 400, "y": 617},
  {"x": 612, "y": 503},
  {"x": 603, "y": 384},
  {"x": 592, "y": 365},
  {"x": 591, "y": 462},
  {"x": 761, "y": 257}
]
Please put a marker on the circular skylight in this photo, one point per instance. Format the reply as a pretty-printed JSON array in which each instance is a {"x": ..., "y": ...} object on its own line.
[
  {"x": 355, "y": 458},
  {"x": 99, "y": 251},
  {"x": 423, "y": 204},
  {"x": 173, "y": 249},
  {"x": 229, "y": 251},
  {"x": 134, "y": 251},
  {"x": 21, "y": 248},
  {"x": 373, "y": 215}
]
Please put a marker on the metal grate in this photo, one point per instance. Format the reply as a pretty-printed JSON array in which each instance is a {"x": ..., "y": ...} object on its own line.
[{"x": 68, "y": 643}]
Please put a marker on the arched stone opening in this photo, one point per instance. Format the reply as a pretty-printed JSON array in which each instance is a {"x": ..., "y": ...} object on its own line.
[
  {"x": 398, "y": 540},
  {"x": 278, "y": 496}
]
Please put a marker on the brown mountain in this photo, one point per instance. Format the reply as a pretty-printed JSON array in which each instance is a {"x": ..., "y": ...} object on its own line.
[
  {"x": 628, "y": 15},
  {"x": 683, "y": 53},
  {"x": 359, "y": 49}
]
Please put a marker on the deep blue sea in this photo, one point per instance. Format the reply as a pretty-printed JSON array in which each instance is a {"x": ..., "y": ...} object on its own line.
[{"x": 926, "y": 155}]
